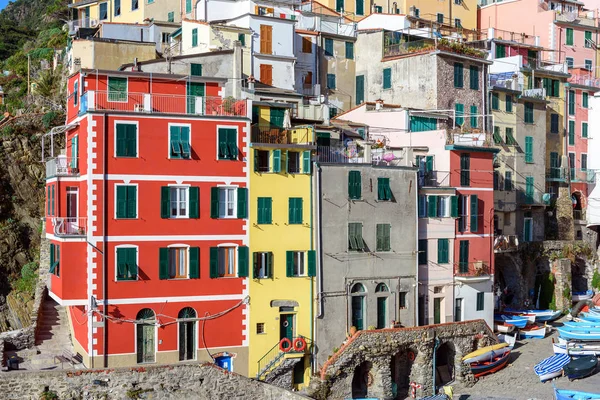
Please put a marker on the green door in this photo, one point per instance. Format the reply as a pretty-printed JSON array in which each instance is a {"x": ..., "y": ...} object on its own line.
[
  {"x": 381, "y": 312},
  {"x": 194, "y": 89},
  {"x": 145, "y": 343},
  {"x": 437, "y": 306},
  {"x": 286, "y": 326},
  {"x": 277, "y": 116},
  {"x": 358, "y": 312},
  {"x": 528, "y": 222}
]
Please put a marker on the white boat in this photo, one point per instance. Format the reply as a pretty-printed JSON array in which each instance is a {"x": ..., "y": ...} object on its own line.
[
  {"x": 488, "y": 355},
  {"x": 551, "y": 367},
  {"x": 576, "y": 349},
  {"x": 502, "y": 328},
  {"x": 511, "y": 340},
  {"x": 533, "y": 332}
]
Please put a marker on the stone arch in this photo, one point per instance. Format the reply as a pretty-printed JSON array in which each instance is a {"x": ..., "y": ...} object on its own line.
[
  {"x": 362, "y": 380},
  {"x": 445, "y": 363},
  {"x": 401, "y": 365},
  {"x": 510, "y": 279}
]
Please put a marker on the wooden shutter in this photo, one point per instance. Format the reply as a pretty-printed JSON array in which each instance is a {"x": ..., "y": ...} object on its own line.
[
  {"x": 266, "y": 40},
  {"x": 276, "y": 161},
  {"x": 360, "y": 89},
  {"x": 387, "y": 78},
  {"x": 306, "y": 162},
  {"x": 131, "y": 201},
  {"x": 269, "y": 269},
  {"x": 163, "y": 263},
  {"x": 459, "y": 108},
  {"x": 266, "y": 74},
  {"x": 214, "y": 262},
  {"x": 298, "y": 209},
  {"x": 458, "y": 75},
  {"x": 242, "y": 203},
  {"x": 232, "y": 143},
  {"x": 121, "y": 140},
  {"x": 196, "y": 70},
  {"x": 473, "y": 116},
  {"x": 432, "y": 206},
  {"x": 214, "y": 202},
  {"x": 121, "y": 201},
  {"x": 379, "y": 237},
  {"x": 194, "y": 37},
  {"x": 131, "y": 140},
  {"x": 454, "y": 206},
  {"x": 474, "y": 213},
  {"x": 306, "y": 45},
  {"x": 194, "y": 193},
  {"x": 386, "y": 237},
  {"x": 52, "y": 258},
  {"x": 289, "y": 264},
  {"x": 291, "y": 210},
  {"x": 312, "y": 263},
  {"x": 194, "y": 262},
  {"x": 243, "y": 261},
  {"x": 122, "y": 258},
  {"x": 528, "y": 149},
  {"x": 132, "y": 267},
  {"x": 354, "y": 185},
  {"x": 165, "y": 202}
]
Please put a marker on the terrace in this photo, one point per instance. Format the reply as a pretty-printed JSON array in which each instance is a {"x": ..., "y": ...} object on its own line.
[
  {"x": 476, "y": 271},
  {"x": 394, "y": 46},
  {"x": 62, "y": 166},
  {"x": 585, "y": 19}
]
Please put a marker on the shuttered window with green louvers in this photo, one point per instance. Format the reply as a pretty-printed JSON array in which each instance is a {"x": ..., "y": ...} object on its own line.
[
  {"x": 383, "y": 237},
  {"x": 126, "y": 201},
  {"x": 127, "y": 269},
  {"x": 126, "y": 140},
  {"x": 228, "y": 149},
  {"x": 295, "y": 210},
  {"x": 384, "y": 193},
  {"x": 117, "y": 89},
  {"x": 354, "y": 185}
]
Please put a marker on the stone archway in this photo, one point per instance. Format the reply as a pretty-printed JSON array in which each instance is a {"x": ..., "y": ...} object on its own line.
[
  {"x": 401, "y": 366},
  {"x": 445, "y": 359},
  {"x": 362, "y": 380}
]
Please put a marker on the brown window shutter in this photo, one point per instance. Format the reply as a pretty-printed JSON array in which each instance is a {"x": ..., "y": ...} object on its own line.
[
  {"x": 256, "y": 10},
  {"x": 308, "y": 79},
  {"x": 268, "y": 40},
  {"x": 266, "y": 74},
  {"x": 270, "y": 10},
  {"x": 263, "y": 39},
  {"x": 306, "y": 45}
]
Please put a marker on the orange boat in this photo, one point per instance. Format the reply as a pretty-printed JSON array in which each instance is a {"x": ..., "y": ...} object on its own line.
[{"x": 489, "y": 367}]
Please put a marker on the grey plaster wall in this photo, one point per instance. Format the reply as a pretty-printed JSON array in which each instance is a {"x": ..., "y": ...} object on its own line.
[
  {"x": 342, "y": 269},
  {"x": 448, "y": 95}
]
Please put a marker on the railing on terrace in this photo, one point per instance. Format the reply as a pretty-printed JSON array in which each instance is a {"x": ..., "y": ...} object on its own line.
[
  {"x": 74, "y": 25},
  {"x": 162, "y": 103},
  {"x": 339, "y": 155},
  {"x": 575, "y": 18},
  {"x": 274, "y": 355},
  {"x": 585, "y": 80},
  {"x": 537, "y": 93},
  {"x": 473, "y": 139},
  {"x": 69, "y": 226},
  {"x": 472, "y": 269},
  {"x": 555, "y": 173},
  {"x": 582, "y": 175},
  {"x": 391, "y": 49},
  {"x": 62, "y": 166},
  {"x": 434, "y": 178},
  {"x": 276, "y": 135}
]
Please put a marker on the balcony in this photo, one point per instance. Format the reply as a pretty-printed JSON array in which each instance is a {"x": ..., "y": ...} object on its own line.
[
  {"x": 62, "y": 166},
  {"x": 555, "y": 174},
  {"x": 477, "y": 271},
  {"x": 69, "y": 226},
  {"x": 152, "y": 103},
  {"x": 472, "y": 139},
  {"x": 392, "y": 49},
  {"x": 74, "y": 25},
  {"x": 527, "y": 200},
  {"x": 576, "y": 18},
  {"x": 537, "y": 93},
  {"x": 275, "y": 135},
  {"x": 434, "y": 179},
  {"x": 341, "y": 155},
  {"x": 582, "y": 175},
  {"x": 584, "y": 80}
]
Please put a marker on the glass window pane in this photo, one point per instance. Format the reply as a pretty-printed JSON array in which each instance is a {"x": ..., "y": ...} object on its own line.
[
  {"x": 222, "y": 258},
  {"x": 230, "y": 260},
  {"x": 182, "y": 257},
  {"x": 230, "y": 205}
]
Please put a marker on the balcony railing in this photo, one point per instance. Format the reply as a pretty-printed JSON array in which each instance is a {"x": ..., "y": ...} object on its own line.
[
  {"x": 555, "y": 174},
  {"x": 473, "y": 139},
  {"x": 434, "y": 178},
  {"x": 584, "y": 80},
  {"x": 62, "y": 166},
  {"x": 340, "y": 155},
  {"x": 537, "y": 93},
  {"x": 152, "y": 103},
  {"x": 392, "y": 49},
  {"x": 275, "y": 135},
  {"x": 575, "y": 18},
  {"x": 69, "y": 226},
  {"x": 472, "y": 269},
  {"x": 74, "y": 25},
  {"x": 582, "y": 175}
]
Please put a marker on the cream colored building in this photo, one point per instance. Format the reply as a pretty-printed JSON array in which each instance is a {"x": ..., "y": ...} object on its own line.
[{"x": 97, "y": 53}]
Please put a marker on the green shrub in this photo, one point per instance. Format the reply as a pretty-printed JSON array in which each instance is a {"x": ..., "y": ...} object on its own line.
[{"x": 29, "y": 274}]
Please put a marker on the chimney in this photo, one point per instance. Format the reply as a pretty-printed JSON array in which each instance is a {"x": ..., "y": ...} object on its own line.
[
  {"x": 251, "y": 81},
  {"x": 236, "y": 70},
  {"x": 378, "y": 104}
]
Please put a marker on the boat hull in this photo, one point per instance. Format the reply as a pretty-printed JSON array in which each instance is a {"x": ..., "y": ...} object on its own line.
[
  {"x": 561, "y": 394},
  {"x": 568, "y": 333},
  {"x": 504, "y": 328},
  {"x": 486, "y": 368},
  {"x": 581, "y": 367},
  {"x": 536, "y": 333},
  {"x": 551, "y": 367},
  {"x": 486, "y": 353}
]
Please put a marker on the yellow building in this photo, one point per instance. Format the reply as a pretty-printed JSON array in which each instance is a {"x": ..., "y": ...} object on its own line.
[
  {"x": 90, "y": 13},
  {"x": 283, "y": 250}
]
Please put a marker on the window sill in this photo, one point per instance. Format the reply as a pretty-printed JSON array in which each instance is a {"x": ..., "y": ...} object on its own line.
[
  {"x": 176, "y": 217},
  {"x": 126, "y": 280},
  {"x": 225, "y": 217},
  {"x": 117, "y": 156}
]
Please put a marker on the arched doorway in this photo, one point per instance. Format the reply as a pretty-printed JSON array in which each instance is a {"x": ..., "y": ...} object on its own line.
[
  {"x": 382, "y": 292},
  {"x": 444, "y": 364},
  {"x": 145, "y": 332},
  {"x": 187, "y": 334},
  {"x": 576, "y": 198},
  {"x": 362, "y": 379},
  {"x": 401, "y": 368},
  {"x": 358, "y": 294}
]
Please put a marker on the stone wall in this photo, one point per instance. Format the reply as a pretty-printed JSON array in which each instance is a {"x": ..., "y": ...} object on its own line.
[
  {"x": 561, "y": 269},
  {"x": 187, "y": 381},
  {"x": 376, "y": 363}
]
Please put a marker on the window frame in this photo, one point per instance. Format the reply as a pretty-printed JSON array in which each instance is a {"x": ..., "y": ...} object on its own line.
[
  {"x": 385, "y": 241},
  {"x": 186, "y": 249},
  {"x": 480, "y": 301},
  {"x": 234, "y": 249},
  {"x": 570, "y": 61},
  {"x": 137, "y": 137},
  {"x": 266, "y": 262},
  {"x": 584, "y": 124},
  {"x": 301, "y": 257},
  {"x": 569, "y": 32},
  {"x": 137, "y": 201},
  {"x": 295, "y": 154},
  {"x": 187, "y": 201},
  {"x": 116, "y": 263},
  {"x": 137, "y": 5},
  {"x": 235, "y": 196},
  {"x": 119, "y": 94},
  {"x": 104, "y": 3},
  {"x": 386, "y": 83},
  {"x": 237, "y": 140}
]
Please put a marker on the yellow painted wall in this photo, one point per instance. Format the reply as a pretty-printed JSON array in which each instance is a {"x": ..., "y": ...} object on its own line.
[
  {"x": 466, "y": 11},
  {"x": 158, "y": 10},
  {"x": 279, "y": 237}
]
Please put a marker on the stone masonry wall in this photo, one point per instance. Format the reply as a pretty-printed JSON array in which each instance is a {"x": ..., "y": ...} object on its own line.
[{"x": 188, "y": 381}]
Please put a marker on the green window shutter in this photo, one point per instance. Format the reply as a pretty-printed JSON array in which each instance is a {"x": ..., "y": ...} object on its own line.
[
  {"x": 214, "y": 262},
  {"x": 387, "y": 237},
  {"x": 442, "y": 251},
  {"x": 132, "y": 267},
  {"x": 174, "y": 142},
  {"x": 383, "y": 189},
  {"x": 291, "y": 210},
  {"x": 312, "y": 263},
  {"x": 474, "y": 213},
  {"x": 194, "y": 262},
  {"x": 122, "y": 258},
  {"x": 256, "y": 157},
  {"x": 571, "y": 133},
  {"x": 474, "y": 77},
  {"x": 571, "y": 102},
  {"x": 508, "y": 103},
  {"x": 429, "y": 163},
  {"x": 121, "y": 140},
  {"x": 460, "y": 109},
  {"x": 585, "y": 99},
  {"x": 276, "y": 161},
  {"x": 214, "y": 202},
  {"x": 349, "y": 50},
  {"x": 242, "y": 39},
  {"x": 354, "y": 185},
  {"x": 495, "y": 101},
  {"x": 569, "y": 38},
  {"x": 360, "y": 88},
  {"x": 232, "y": 143},
  {"x": 243, "y": 261},
  {"x": 289, "y": 264},
  {"x": 529, "y": 189},
  {"x": 432, "y": 206},
  {"x": 463, "y": 263},
  {"x": 53, "y": 209},
  {"x": 165, "y": 202},
  {"x": 331, "y": 81},
  {"x": 121, "y": 201},
  {"x": 194, "y": 210},
  {"x": 163, "y": 263},
  {"x": 171, "y": 16},
  {"x": 422, "y": 255},
  {"x": 188, "y": 6},
  {"x": 454, "y": 206},
  {"x": 387, "y": 78},
  {"x": 306, "y": 162},
  {"x": 223, "y": 145},
  {"x": 329, "y": 46},
  {"x": 194, "y": 37},
  {"x": 117, "y": 89},
  {"x": 196, "y": 69},
  {"x": 242, "y": 203},
  {"x": 473, "y": 116},
  {"x": 131, "y": 201},
  {"x": 584, "y": 130},
  {"x": 184, "y": 141},
  {"x": 265, "y": 210},
  {"x": 52, "y": 258},
  {"x": 529, "y": 112},
  {"x": 555, "y": 87},
  {"x": 379, "y": 237},
  {"x": 458, "y": 75},
  {"x": 588, "y": 39},
  {"x": 528, "y": 149},
  {"x": 131, "y": 141},
  {"x": 500, "y": 51}
]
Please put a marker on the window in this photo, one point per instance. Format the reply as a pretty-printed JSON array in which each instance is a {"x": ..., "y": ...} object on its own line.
[
  {"x": 459, "y": 109},
  {"x": 126, "y": 201},
  {"x": 571, "y": 102},
  {"x": 444, "y": 205},
  {"x": 354, "y": 185},
  {"x": 266, "y": 39},
  {"x": 457, "y": 23},
  {"x": 552, "y": 87},
  {"x": 417, "y": 12},
  {"x": 508, "y": 185},
  {"x": 569, "y": 37},
  {"x": 570, "y": 62},
  {"x": 584, "y": 129},
  {"x": 117, "y": 89},
  {"x": 75, "y": 93},
  {"x": 330, "y": 81},
  {"x": 261, "y": 160},
  {"x": 495, "y": 101},
  {"x": 179, "y": 142},
  {"x": 134, "y": 5},
  {"x": 54, "y": 259},
  {"x": 242, "y": 39},
  {"x": 458, "y": 75},
  {"x": 295, "y": 263},
  {"x": 188, "y": 6},
  {"x": 350, "y": 50},
  {"x": 333, "y": 111},
  {"x": 473, "y": 116},
  {"x": 529, "y": 149},
  {"x": 527, "y": 229},
  {"x": 588, "y": 65},
  {"x": 584, "y": 162},
  {"x": 463, "y": 256},
  {"x": 384, "y": 193},
  {"x": 422, "y": 251},
  {"x": 360, "y": 7},
  {"x": 355, "y": 239},
  {"x": 587, "y": 39},
  {"x": 572, "y": 165},
  {"x": 422, "y": 206},
  {"x": 127, "y": 268},
  {"x": 170, "y": 16},
  {"x": 339, "y": 5},
  {"x": 295, "y": 210},
  {"x": 260, "y": 328},
  {"x": 465, "y": 173},
  {"x": 509, "y": 103},
  {"x": 528, "y": 113},
  {"x": 553, "y": 123},
  {"x": 228, "y": 149},
  {"x": 227, "y": 202},
  {"x": 196, "y": 69},
  {"x": 387, "y": 78},
  {"x": 329, "y": 47},
  {"x": 480, "y": 301},
  {"x": 432, "y": 204},
  {"x": 462, "y": 213},
  {"x": 178, "y": 262},
  {"x": 554, "y": 165},
  {"x": 443, "y": 251},
  {"x": 510, "y": 139},
  {"x": 165, "y": 37},
  {"x": 262, "y": 265},
  {"x": 440, "y": 18},
  {"x": 226, "y": 261},
  {"x": 103, "y": 11},
  {"x": 571, "y": 133},
  {"x": 265, "y": 210},
  {"x": 500, "y": 51},
  {"x": 126, "y": 140},
  {"x": 585, "y": 100},
  {"x": 474, "y": 213},
  {"x": 306, "y": 45},
  {"x": 117, "y": 10},
  {"x": 529, "y": 189},
  {"x": 383, "y": 237},
  {"x": 266, "y": 74},
  {"x": 308, "y": 79},
  {"x": 402, "y": 300},
  {"x": 474, "y": 77}
]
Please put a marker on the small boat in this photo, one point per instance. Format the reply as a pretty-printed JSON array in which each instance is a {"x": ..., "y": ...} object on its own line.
[
  {"x": 511, "y": 340},
  {"x": 581, "y": 367},
  {"x": 575, "y": 349},
  {"x": 503, "y": 328},
  {"x": 511, "y": 320},
  {"x": 574, "y": 324},
  {"x": 551, "y": 367},
  {"x": 562, "y": 394},
  {"x": 529, "y": 317},
  {"x": 489, "y": 367},
  {"x": 540, "y": 315},
  {"x": 587, "y": 316},
  {"x": 578, "y": 296},
  {"x": 486, "y": 353},
  {"x": 576, "y": 334},
  {"x": 533, "y": 332},
  {"x": 583, "y": 327}
]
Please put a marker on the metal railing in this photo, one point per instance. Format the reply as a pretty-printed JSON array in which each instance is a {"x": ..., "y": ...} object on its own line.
[
  {"x": 575, "y": 18},
  {"x": 472, "y": 269},
  {"x": 555, "y": 173},
  {"x": 582, "y": 175},
  {"x": 434, "y": 178},
  {"x": 69, "y": 226},
  {"x": 584, "y": 80},
  {"x": 62, "y": 166},
  {"x": 274, "y": 355},
  {"x": 161, "y": 103},
  {"x": 276, "y": 135},
  {"x": 339, "y": 155},
  {"x": 473, "y": 139},
  {"x": 74, "y": 25},
  {"x": 398, "y": 49},
  {"x": 537, "y": 93}
]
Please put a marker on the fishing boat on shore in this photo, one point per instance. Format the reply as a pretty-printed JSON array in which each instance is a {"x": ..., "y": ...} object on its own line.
[
  {"x": 487, "y": 353},
  {"x": 579, "y": 334},
  {"x": 540, "y": 315},
  {"x": 579, "y": 296},
  {"x": 489, "y": 367},
  {"x": 562, "y": 394},
  {"x": 551, "y": 367},
  {"x": 575, "y": 349},
  {"x": 504, "y": 338},
  {"x": 581, "y": 367},
  {"x": 534, "y": 332},
  {"x": 519, "y": 322},
  {"x": 579, "y": 324},
  {"x": 503, "y": 328}
]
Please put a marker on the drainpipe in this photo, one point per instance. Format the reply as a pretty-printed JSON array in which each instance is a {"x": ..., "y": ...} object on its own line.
[
  {"x": 319, "y": 282},
  {"x": 312, "y": 281},
  {"x": 435, "y": 347},
  {"x": 104, "y": 252}
]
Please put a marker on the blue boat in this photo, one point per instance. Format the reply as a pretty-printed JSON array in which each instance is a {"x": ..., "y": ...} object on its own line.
[
  {"x": 590, "y": 317},
  {"x": 566, "y": 332},
  {"x": 551, "y": 367},
  {"x": 562, "y": 394},
  {"x": 540, "y": 315},
  {"x": 574, "y": 324},
  {"x": 578, "y": 326},
  {"x": 511, "y": 320}
]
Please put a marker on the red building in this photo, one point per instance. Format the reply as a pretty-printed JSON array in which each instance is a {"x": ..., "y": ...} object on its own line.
[{"x": 147, "y": 218}]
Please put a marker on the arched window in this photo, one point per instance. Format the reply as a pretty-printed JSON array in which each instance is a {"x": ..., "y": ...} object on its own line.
[
  {"x": 382, "y": 287},
  {"x": 145, "y": 331},
  {"x": 187, "y": 334},
  {"x": 358, "y": 288},
  {"x": 187, "y": 312},
  {"x": 145, "y": 314},
  {"x": 358, "y": 306}
]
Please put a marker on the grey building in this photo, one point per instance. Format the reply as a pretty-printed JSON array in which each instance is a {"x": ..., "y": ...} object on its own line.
[{"x": 368, "y": 250}]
